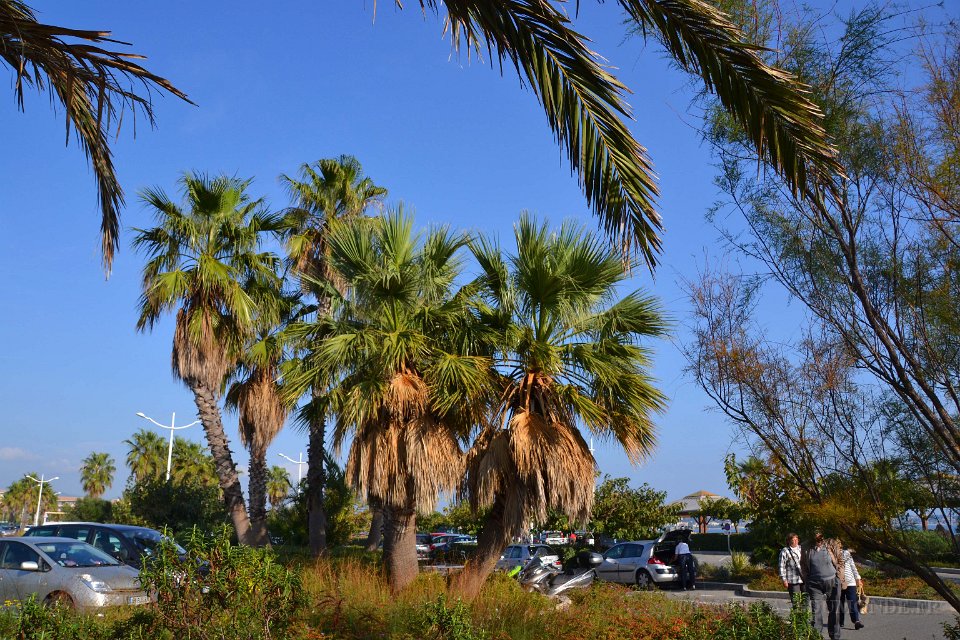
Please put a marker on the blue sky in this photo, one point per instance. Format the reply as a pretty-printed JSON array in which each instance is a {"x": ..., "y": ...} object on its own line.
[{"x": 276, "y": 87}]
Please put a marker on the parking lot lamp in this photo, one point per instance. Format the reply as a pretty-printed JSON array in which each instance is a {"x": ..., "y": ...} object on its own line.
[
  {"x": 172, "y": 428},
  {"x": 299, "y": 462},
  {"x": 42, "y": 481}
]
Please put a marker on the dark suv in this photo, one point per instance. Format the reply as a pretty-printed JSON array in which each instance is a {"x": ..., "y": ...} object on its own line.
[{"x": 126, "y": 543}]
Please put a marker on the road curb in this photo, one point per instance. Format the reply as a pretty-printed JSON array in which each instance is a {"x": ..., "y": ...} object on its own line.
[{"x": 879, "y": 604}]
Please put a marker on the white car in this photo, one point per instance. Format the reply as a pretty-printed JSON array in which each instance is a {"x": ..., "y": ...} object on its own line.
[
  {"x": 517, "y": 555},
  {"x": 554, "y": 537}
]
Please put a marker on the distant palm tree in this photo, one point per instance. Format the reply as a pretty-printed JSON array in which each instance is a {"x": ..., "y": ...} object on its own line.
[
  {"x": 192, "y": 464},
  {"x": 93, "y": 84},
  {"x": 278, "y": 485},
  {"x": 567, "y": 356},
  {"x": 20, "y": 499},
  {"x": 203, "y": 260},
  {"x": 96, "y": 474},
  {"x": 330, "y": 190},
  {"x": 401, "y": 385},
  {"x": 146, "y": 455}
]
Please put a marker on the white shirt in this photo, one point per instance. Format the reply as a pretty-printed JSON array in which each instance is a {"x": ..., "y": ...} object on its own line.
[
  {"x": 850, "y": 574},
  {"x": 682, "y": 548}
]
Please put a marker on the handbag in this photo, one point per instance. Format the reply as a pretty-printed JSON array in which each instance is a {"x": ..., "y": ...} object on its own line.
[{"x": 863, "y": 600}]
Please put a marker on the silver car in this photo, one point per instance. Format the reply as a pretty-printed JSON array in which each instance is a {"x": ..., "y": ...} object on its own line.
[
  {"x": 517, "y": 555},
  {"x": 639, "y": 562},
  {"x": 65, "y": 571}
]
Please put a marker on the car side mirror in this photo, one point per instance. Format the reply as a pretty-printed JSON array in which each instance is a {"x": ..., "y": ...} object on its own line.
[{"x": 29, "y": 565}]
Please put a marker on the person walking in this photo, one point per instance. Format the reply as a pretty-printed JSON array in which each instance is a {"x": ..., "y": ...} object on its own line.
[
  {"x": 790, "y": 572},
  {"x": 848, "y": 586},
  {"x": 822, "y": 567},
  {"x": 684, "y": 561}
]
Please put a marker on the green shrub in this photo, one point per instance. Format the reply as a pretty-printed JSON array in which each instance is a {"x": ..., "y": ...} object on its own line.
[
  {"x": 91, "y": 510},
  {"x": 449, "y": 623},
  {"x": 222, "y": 590},
  {"x": 757, "y": 622}
]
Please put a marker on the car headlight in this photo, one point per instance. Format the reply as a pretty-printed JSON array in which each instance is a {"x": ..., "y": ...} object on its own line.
[{"x": 97, "y": 585}]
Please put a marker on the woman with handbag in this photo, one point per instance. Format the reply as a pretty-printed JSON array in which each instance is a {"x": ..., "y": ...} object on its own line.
[{"x": 850, "y": 586}]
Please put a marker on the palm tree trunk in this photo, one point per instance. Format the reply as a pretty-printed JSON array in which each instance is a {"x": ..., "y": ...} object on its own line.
[
  {"x": 400, "y": 547},
  {"x": 316, "y": 481},
  {"x": 495, "y": 536},
  {"x": 259, "y": 536},
  {"x": 376, "y": 524},
  {"x": 209, "y": 413}
]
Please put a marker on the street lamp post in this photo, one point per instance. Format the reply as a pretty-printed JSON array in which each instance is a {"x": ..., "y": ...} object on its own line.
[
  {"x": 42, "y": 481},
  {"x": 299, "y": 462},
  {"x": 172, "y": 427}
]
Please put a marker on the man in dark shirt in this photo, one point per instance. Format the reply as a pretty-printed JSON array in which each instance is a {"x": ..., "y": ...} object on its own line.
[{"x": 821, "y": 566}]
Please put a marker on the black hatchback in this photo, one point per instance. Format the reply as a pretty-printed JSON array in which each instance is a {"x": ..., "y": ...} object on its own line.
[{"x": 127, "y": 543}]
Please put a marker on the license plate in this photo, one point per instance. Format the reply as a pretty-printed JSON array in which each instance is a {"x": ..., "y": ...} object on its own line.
[{"x": 138, "y": 599}]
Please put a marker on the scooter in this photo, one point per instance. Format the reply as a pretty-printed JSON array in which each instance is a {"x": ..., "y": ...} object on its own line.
[{"x": 544, "y": 578}]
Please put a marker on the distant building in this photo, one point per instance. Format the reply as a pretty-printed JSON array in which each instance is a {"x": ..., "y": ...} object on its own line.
[{"x": 690, "y": 505}]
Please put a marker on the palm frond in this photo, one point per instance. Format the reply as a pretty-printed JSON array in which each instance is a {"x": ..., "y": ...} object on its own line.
[
  {"x": 769, "y": 103},
  {"x": 94, "y": 86},
  {"x": 584, "y": 105}
]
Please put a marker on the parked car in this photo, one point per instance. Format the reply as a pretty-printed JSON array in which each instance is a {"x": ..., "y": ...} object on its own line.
[
  {"x": 423, "y": 545},
  {"x": 126, "y": 543},
  {"x": 454, "y": 550},
  {"x": 553, "y": 537},
  {"x": 517, "y": 555},
  {"x": 67, "y": 572},
  {"x": 9, "y": 529},
  {"x": 645, "y": 563}
]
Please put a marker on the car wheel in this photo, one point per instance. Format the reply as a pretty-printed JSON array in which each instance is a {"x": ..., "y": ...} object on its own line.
[
  {"x": 59, "y": 599},
  {"x": 644, "y": 581}
]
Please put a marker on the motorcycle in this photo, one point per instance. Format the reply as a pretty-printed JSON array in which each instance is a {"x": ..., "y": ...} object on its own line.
[{"x": 544, "y": 578}]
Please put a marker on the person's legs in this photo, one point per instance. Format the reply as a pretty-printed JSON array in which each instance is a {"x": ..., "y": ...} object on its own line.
[
  {"x": 852, "y": 604},
  {"x": 682, "y": 569},
  {"x": 817, "y": 596},
  {"x": 691, "y": 571},
  {"x": 833, "y": 607},
  {"x": 841, "y": 605}
]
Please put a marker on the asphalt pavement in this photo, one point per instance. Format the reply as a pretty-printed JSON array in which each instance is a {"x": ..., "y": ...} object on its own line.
[{"x": 882, "y": 623}]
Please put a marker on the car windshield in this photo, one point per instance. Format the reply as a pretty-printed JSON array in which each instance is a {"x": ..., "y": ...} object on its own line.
[
  {"x": 423, "y": 538},
  {"x": 76, "y": 554},
  {"x": 148, "y": 541}
]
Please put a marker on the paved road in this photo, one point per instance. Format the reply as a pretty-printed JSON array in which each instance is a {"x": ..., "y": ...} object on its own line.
[{"x": 879, "y": 625}]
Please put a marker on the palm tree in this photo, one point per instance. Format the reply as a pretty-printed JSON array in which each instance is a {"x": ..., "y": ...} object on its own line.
[
  {"x": 278, "y": 485},
  {"x": 146, "y": 455},
  {"x": 256, "y": 396},
  {"x": 585, "y": 107},
  {"x": 96, "y": 474},
  {"x": 192, "y": 464},
  {"x": 330, "y": 190},
  {"x": 94, "y": 85},
  {"x": 567, "y": 358},
  {"x": 203, "y": 259},
  {"x": 20, "y": 498},
  {"x": 403, "y": 384}
]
